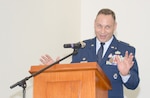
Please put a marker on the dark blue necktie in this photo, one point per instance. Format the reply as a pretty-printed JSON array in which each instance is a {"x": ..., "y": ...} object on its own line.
[{"x": 100, "y": 53}]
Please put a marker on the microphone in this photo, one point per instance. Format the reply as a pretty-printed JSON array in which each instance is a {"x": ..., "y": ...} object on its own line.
[{"x": 75, "y": 45}]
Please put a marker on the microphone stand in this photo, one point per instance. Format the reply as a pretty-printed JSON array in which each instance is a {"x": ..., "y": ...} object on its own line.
[{"x": 22, "y": 83}]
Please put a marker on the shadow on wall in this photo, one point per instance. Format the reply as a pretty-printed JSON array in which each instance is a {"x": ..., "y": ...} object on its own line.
[{"x": 131, "y": 93}]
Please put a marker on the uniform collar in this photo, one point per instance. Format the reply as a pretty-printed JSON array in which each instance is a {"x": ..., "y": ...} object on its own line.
[{"x": 107, "y": 44}]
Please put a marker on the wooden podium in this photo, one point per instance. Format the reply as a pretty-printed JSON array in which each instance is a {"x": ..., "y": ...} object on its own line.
[{"x": 75, "y": 80}]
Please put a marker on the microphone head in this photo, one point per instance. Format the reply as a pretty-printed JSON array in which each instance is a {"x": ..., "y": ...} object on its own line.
[
  {"x": 75, "y": 45},
  {"x": 83, "y": 44}
]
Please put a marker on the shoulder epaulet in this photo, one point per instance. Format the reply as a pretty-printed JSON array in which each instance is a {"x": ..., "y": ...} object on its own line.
[{"x": 124, "y": 43}]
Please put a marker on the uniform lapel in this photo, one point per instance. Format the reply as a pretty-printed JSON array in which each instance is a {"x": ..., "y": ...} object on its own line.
[{"x": 92, "y": 49}]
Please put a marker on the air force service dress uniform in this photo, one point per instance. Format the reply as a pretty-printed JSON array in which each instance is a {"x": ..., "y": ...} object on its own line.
[{"x": 88, "y": 54}]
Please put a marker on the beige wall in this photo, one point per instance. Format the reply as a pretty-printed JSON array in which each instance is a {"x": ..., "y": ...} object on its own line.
[{"x": 29, "y": 29}]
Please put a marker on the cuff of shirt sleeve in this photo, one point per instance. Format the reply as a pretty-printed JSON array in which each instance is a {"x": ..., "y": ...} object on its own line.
[{"x": 125, "y": 78}]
